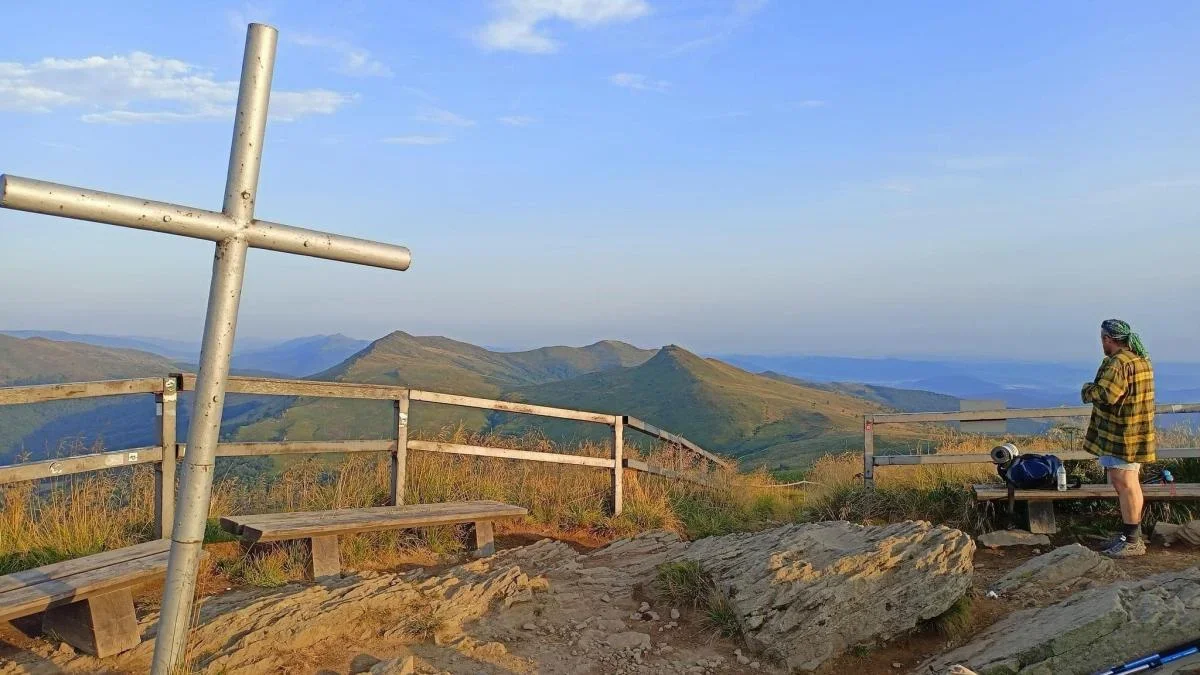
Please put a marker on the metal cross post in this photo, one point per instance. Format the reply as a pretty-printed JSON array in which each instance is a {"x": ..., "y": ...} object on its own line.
[{"x": 235, "y": 230}]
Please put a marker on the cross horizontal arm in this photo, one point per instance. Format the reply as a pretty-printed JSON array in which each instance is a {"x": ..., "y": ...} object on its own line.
[{"x": 36, "y": 196}]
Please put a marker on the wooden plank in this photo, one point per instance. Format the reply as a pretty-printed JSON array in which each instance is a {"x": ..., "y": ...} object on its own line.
[
  {"x": 869, "y": 459},
  {"x": 1016, "y": 413},
  {"x": 1090, "y": 491},
  {"x": 485, "y": 539},
  {"x": 976, "y": 458},
  {"x": 36, "y": 598},
  {"x": 164, "y": 472},
  {"x": 1041, "y": 517},
  {"x": 969, "y": 415},
  {"x": 233, "y": 524},
  {"x": 638, "y": 465},
  {"x": 618, "y": 472},
  {"x": 102, "y": 625},
  {"x": 504, "y": 453},
  {"x": 651, "y": 430},
  {"x": 400, "y": 451},
  {"x": 65, "y": 466},
  {"x": 68, "y": 390},
  {"x": 513, "y": 407},
  {"x": 373, "y": 519},
  {"x": 68, "y": 568},
  {"x": 324, "y": 558},
  {"x": 294, "y": 448},
  {"x": 276, "y": 387},
  {"x": 998, "y": 425}
]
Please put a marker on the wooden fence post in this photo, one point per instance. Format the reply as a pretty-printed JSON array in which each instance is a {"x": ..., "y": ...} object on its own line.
[
  {"x": 618, "y": 465},
  {"x": 400, "y": 456},
  {"x": 164, "y": 471},
  {"x": 868, "y": 451}
]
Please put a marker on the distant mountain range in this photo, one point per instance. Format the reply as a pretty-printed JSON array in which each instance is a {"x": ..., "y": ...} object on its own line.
[
  {"x": 774, "y": 411},
  {"x": 294, "y": 358},
  {"x": 1019, "y": 384}
]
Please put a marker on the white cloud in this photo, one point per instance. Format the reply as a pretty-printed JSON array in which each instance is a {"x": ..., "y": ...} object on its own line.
[
  {"x": 810, "y": 103},
  {"x": 518, "y": 120},
  {"x": 140, "y": 88},
  {"x": 443, "y": 117},
  {"x": 638, "y": 82},
  {"x": 416, "y": 140},
  {"x": 355, "y": 61},
  {"x": 517, "y": 26}
]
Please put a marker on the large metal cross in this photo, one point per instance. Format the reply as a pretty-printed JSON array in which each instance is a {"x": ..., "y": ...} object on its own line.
[{"x": 235, "y": 230}]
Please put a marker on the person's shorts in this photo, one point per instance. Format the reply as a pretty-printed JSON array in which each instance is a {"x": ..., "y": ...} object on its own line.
[{"x": 1110, "y": 462}]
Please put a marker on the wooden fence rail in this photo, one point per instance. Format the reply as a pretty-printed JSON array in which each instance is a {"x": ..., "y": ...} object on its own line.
[
  {"x": 871, "y": 460},
  {"x": 166, "y": 455}
]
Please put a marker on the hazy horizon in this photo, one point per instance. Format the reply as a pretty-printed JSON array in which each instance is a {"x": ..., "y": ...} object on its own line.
[
  {"x": 254, "y": 342},
  {"x": 734, "y": 176}
]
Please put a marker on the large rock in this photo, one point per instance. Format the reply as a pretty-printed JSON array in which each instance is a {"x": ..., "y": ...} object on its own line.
[
  {"x": 1061, "y": 569},
  {"x": 1006, "y": 538},
  {"x": 1087, "y": 632},
  {"x": 1169, "y": 533},
  {"x": 806, "y": 593}
]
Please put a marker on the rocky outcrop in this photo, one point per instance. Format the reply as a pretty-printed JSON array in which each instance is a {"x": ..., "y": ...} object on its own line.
[
  {"x": 804, "y": 594},
  {"x": 1063, "y": 569},
  {"x": 1006, "y": 538},
  {"x": 1170, "y": 533},
  {"x": 1087, "y": 632}
]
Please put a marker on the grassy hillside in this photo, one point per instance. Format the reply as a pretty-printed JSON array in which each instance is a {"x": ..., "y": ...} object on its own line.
[
  {"x": 900, "y": 400},
  {"x": 41, "y": 361},
  {"x": 763, "y": 421},
  {"x": 437, "y": 364},
  {"x": 300, "y": 357}
]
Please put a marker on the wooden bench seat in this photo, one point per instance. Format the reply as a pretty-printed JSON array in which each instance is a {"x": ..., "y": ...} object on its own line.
[
  {"x": 320, "y": 529},
  {"x": 1041, "y": 502},
  {"x": 87, "y": 601}
]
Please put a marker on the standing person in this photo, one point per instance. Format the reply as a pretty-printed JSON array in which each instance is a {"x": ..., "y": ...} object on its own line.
[{"x": 1121, "y": 431}]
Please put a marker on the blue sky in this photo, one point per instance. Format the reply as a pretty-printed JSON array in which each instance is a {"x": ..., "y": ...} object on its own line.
[{"x": 731, "y": 175}]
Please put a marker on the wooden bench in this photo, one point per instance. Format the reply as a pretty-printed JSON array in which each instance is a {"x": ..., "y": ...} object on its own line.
[
  {"x": 320, "y": 529},
  {"x": 1041, "y": 502},
  {"x": 87, "y": 602}
]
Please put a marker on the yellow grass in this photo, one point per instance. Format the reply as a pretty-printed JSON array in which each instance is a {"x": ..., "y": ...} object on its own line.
[{"x": 91, "y": 512}]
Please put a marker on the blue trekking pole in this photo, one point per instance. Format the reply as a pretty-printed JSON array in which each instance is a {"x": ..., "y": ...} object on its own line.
[{"x": 1154, "y": 661}]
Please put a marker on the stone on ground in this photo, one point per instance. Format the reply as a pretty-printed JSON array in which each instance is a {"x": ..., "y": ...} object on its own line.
[
  {"x": 1088, "y": 632},
  {"x": 806, "y": 593},
  {"x": 1006, "y": 538},
  {"x": 1170, "y": 533},
  {"x": 398, "y": 666},
  {"x": 1064, "y": 568}
]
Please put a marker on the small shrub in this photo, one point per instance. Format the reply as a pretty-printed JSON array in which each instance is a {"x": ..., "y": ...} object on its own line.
[
  {"x": 720, "y": 615},
  {"x": 682, "y": 583}
]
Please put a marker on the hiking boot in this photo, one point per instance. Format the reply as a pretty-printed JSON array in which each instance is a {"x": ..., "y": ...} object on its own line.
[{"x": 1122, "y": 547}]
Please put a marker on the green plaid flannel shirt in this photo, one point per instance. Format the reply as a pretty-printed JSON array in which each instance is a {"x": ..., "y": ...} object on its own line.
[{"x": 1122, "y": 399}]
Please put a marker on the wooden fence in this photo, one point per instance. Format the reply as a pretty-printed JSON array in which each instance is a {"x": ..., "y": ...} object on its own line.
[
  {"x": 167, "y": 452},
  {"x": 871, "y": 460}
]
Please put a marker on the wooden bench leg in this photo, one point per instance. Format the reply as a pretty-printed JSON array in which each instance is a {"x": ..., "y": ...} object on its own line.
[
  {"x": 1041, "y": 517},
  {"x": 102, "y": 625},
  {"x": 485, "y": 543},
  {"x": 324, "y": 558}
]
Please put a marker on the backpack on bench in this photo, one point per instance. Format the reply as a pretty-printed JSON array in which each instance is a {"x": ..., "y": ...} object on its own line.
[{"x": 1030, "y": 472}]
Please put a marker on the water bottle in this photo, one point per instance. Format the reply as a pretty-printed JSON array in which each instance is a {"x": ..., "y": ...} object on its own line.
[{"x": 1060, "y": 477}]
